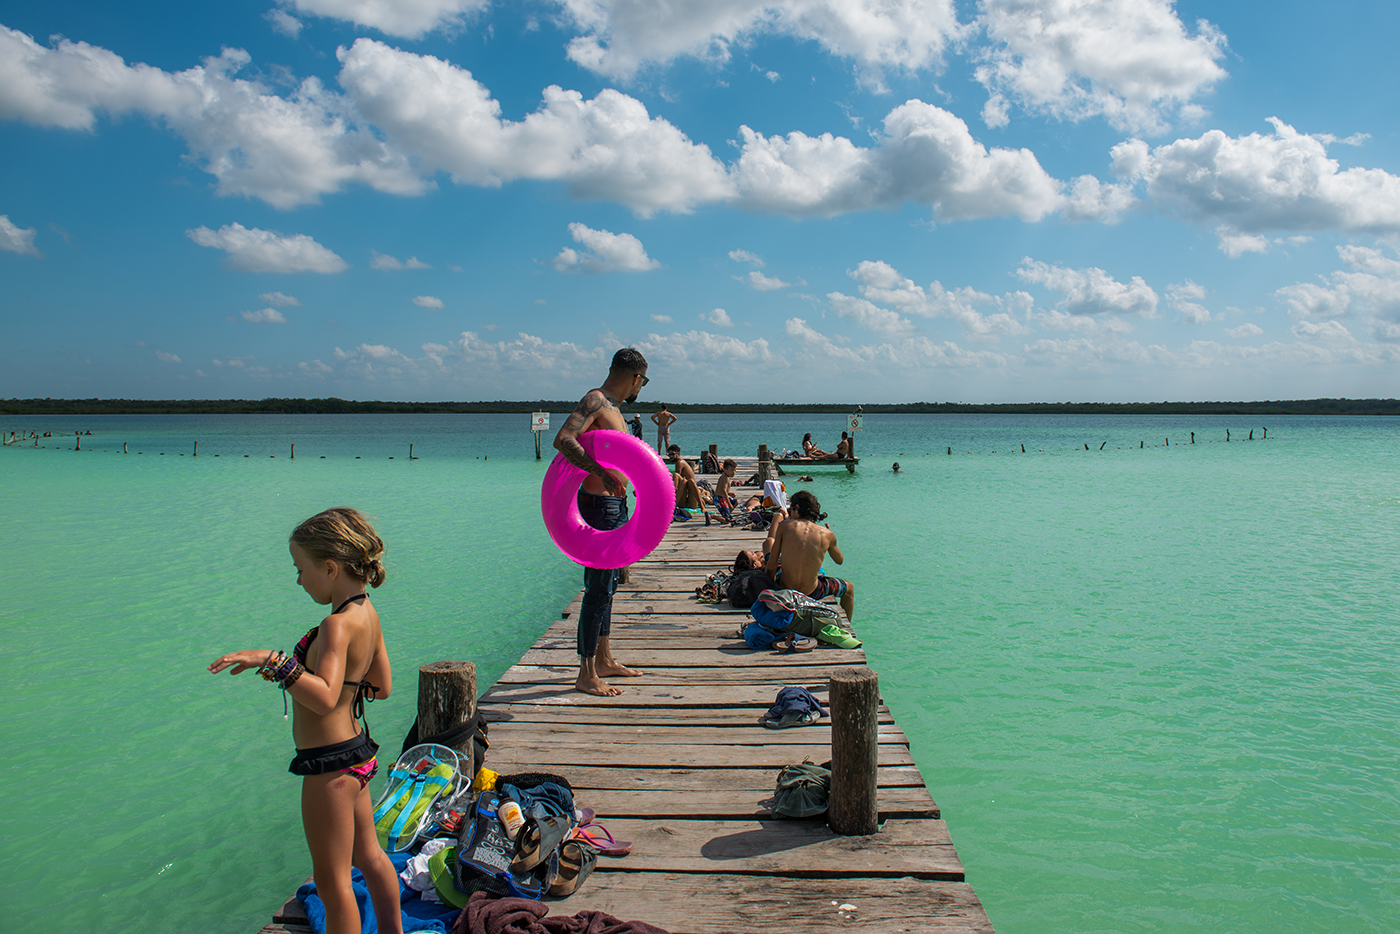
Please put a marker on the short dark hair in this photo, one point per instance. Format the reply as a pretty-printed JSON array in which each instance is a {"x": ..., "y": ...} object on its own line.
[
  {"x": 729, "y": 462},
  {"x": 673, "y": 449},
  {"x": 805, "y": 506},
  {"x": 743, "y": 563},
  {"x": 628, "y": 360}
]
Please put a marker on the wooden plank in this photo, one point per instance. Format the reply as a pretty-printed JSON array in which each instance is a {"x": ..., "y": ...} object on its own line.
[
  {"x": 696, "y": 780},
  {"x": 633, "y": 695},
  {"x": 561, "y": 659},
  {"x": 558, "y": 755},
  {"x": 693, "y": 735},
  {"x": 681, "y": 716},
  {"x": 792, "y": 848},
  {"x": 733, "y": 804},
  {"x": 722, "y": 903}
]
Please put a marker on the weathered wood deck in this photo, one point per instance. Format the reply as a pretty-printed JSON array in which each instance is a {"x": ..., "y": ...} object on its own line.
[{"x": 680, "y": 765}]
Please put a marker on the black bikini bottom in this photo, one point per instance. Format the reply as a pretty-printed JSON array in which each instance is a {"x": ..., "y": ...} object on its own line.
[{"x": 322, "y": 759}]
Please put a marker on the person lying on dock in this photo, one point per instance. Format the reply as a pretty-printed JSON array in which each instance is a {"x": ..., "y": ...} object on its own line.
[
  {"x": 809, "y": 449},
  {"x": 799, "y": 547},
  {"x": 688, "y": 492}
]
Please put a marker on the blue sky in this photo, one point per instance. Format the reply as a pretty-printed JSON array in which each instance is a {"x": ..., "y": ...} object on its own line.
[{"x": 793, "y": 201}]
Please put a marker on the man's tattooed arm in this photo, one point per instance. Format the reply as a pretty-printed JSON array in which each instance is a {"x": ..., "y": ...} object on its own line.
[{"x": 567, "y": 443}]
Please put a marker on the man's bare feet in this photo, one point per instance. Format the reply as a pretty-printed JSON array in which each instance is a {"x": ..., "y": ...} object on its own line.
[
  {"x": 615, "y": 669},
  {"x": 595, "y": 686}
]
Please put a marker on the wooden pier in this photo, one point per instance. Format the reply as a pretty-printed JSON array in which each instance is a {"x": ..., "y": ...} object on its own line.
[{"x": 680, "y": 765}]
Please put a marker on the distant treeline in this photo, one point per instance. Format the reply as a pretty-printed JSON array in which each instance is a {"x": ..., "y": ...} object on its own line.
[{"x": 335, "y": 406}]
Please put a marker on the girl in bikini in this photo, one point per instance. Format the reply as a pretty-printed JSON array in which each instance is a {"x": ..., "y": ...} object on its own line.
[{"x": 336, "y": 554}]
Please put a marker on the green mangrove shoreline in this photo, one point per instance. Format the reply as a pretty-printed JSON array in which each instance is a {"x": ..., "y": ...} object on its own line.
[{"x": 334, "y": 406}]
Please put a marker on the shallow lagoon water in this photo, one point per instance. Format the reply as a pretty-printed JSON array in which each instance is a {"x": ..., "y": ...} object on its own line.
[{"x": 1153, "y": 688}]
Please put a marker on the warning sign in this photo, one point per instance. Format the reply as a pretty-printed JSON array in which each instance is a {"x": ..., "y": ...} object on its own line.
[{"x": 539, "y": 421}]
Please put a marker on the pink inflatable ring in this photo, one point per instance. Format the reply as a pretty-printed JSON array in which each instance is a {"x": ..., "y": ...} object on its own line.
[{"x": 650, "y": 517}]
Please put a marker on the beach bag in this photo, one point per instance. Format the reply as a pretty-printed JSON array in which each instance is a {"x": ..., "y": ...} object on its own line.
[
  {"x": 802, "y": 790},
  {"x": 708, "y": 462},
  {"x": 423, "y": 777},
  {"x": 745, "y": 587},
  {"x": 484, "y": 854},
  {"x": 475, "y": 728}
]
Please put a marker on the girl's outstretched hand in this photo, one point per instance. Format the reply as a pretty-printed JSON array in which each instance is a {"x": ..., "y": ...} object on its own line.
[{"x": 239, "y": 661}]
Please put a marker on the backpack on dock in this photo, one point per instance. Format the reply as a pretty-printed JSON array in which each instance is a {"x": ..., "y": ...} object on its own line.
[{"x": 484, "y": 855}]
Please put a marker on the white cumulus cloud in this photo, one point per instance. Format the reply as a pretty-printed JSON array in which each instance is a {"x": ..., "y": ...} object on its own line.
[
  {"x": 744, "y": 256},
  {"x": 280, "y": 299},
  {"x": 661, "y": 319},
  {"x": 16, "y": 239},
  {"x": 1133, "y": 62},
  {"x": 1092, "y": 291},
  {"x": 607, "y": 148},
  {"x": 265, "y": 316},
  {"x": 393, "y": 264},
  {"x": 603, "y": 251},
  {"x": 1368, "y": 290},
  {"x": 925, "y": 154},
  {"x": 881, "y": 283},
  {"x": 719, "y": 318},
  {"x": 253, "y": 250},
  {"x": 618, "y": 37},
  {"x": 763, "y": 283},
  {"x": 1248, "y": 329},
  {"x": 1249, "y": 185},
  {"x": 428, "y": 301},
  {"x": 1186, "y": 298},
  {"x": 410, "y": 19},
  {"x": 285, "y": 150}
]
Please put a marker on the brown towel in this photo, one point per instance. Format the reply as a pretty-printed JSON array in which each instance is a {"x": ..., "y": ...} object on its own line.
[{"x": 487, "y": 915}]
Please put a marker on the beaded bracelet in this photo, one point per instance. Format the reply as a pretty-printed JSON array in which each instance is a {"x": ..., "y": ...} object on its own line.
[{"x": 274, "y": 661}]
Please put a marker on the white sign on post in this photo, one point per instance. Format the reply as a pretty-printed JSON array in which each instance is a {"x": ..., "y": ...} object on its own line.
[
  {"x": 854, "y": 423},
  {"x": 539, "y": 421}
]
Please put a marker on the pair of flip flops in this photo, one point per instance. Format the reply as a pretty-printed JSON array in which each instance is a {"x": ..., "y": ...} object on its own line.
[{"x": 598, "y": 837}]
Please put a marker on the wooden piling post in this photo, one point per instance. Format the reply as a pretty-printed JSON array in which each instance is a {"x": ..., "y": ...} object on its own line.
[
  {"x": 410, "y": 452},
  {"x": 1251, "y": 434},
  {"x": 36, "y": 444},
  {"x": 852, "y": 809},
  {"x": 1227, "y": 434},
  {"x": 1101, "y": 446},
  {"x": 196, "y": 449},
  {"x": 950, "y": 451},
  {"x": 294, "y": 451},
  {"x": 765, "y": 463},
  {"x": 714, "y": 451},
  {"x": 446, "y": 698},
  {"x": 1193, "y": 437}
]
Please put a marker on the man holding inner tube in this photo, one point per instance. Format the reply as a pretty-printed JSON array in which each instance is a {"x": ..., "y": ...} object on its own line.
[{"x": 602, "y": 501}]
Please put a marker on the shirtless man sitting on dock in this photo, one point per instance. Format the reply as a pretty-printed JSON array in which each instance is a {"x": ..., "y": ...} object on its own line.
[
  {"x": 799, "y": 547},
  {"x": 688, "y": 494},
  {"x": 602, "y": 501}
]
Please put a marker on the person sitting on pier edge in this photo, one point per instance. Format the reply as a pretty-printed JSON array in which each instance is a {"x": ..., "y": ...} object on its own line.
[
  {"x": 810, "y": 449},
  {"x": 688, "y": 494},
  {"x": 602, "y": 501},
  {"x": 799, "y": 547},
  {"x": 843, "y": 448}
]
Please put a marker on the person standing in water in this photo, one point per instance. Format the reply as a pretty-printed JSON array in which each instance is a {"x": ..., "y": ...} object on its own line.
[
  {"x": 664, "y": 420},
  {"x": 602, "y": 501}
]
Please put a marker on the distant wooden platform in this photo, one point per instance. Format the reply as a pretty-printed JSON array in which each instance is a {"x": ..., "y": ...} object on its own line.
[
  {"x": 819, "y": 463},
  {"x": 680, "y": 765}
]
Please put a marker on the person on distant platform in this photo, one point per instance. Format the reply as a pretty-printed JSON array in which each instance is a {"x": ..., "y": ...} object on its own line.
[
  {"x": 602, "y": 501},
  {"x": 664, "y": 420},
  {"x": 843, "y": 448},
  {"x": 809, "y": 449},
  {"x": 800, "y": 546}
]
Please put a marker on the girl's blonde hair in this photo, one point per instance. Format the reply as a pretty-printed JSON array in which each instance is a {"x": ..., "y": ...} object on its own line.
[{"x": 345, "y": 536}]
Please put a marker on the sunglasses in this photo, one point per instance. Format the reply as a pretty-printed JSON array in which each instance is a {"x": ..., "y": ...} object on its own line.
[{"x": 645, "y": 380}]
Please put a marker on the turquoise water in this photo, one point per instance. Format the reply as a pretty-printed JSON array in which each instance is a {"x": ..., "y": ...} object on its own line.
[{"x": 1153, "y": 688}]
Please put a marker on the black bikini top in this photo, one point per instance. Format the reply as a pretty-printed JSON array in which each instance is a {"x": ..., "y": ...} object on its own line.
[{"x": 363, "y": 689}]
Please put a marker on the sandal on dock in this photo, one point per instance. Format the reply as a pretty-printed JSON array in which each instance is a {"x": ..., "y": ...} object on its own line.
[
  {"x": 576, "y": 862},
  {"x": 538, "y": 838}
]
